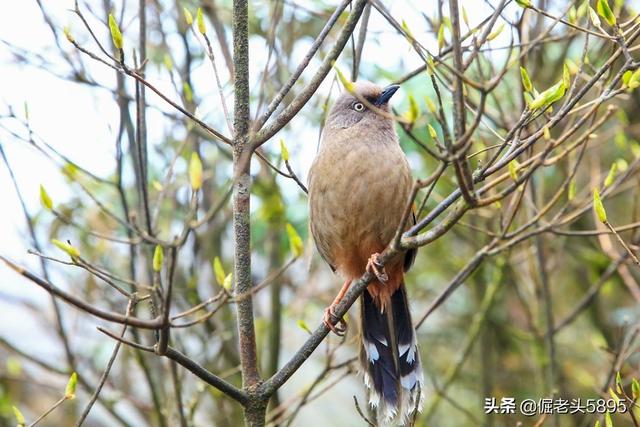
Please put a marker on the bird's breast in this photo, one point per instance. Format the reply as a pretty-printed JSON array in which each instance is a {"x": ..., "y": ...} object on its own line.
[{"x": 358, "y": 193}]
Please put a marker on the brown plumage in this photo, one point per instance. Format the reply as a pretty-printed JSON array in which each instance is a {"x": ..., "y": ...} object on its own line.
[{"x": 359, "y": 185}]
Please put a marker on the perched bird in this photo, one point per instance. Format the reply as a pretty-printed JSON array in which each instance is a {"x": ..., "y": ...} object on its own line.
[{"x": 359, "y": 186}]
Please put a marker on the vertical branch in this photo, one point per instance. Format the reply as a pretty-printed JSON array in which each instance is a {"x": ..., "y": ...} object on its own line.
[{"x": 256, "y": 406}]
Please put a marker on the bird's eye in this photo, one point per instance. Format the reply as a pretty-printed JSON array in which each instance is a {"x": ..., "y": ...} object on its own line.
[{"x": 358, "y": 107}]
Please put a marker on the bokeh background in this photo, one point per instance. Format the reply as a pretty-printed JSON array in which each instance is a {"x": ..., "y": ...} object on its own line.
[{"x": 489, "y": 339}]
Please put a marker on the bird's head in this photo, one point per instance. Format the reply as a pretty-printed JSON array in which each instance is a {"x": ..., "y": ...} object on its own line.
[{"x": 350, "y": 110}]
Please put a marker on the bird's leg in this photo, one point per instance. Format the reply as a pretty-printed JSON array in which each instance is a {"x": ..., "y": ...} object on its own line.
[
  {"x": 338, "y": 326},
  {"x": 375, "y": 267}
]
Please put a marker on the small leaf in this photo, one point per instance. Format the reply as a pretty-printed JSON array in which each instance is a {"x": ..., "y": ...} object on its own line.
[
  {"x": 68, "y": 35},
  {"x": 70, "y": 390},
  {"x": 441, "y": 40},
  {"x": 188, "y": 16},
  {"x": 618, "y": 382},
  {"x": 46, "y": 201},
  {"x": 594, "y": 18},
  {"x": 635, "y": 389},
  {"x": 607, "y": 420},
  {"x": 201, "y": 25},
  {"x": 549, "y": 96},
  {"x": 524, "y": 3},
  {"x": 626, "y": 77},
  {"x": 513, "y": 169},
  {"x": 158, "y": 257},
  {"x": 613, "y": 395},
  {"x": 622, "y": 165},
  {"x": 228, "y": 281},
  {"x": 407, "y": 31},
  {"x": 634, "y": 80},
  {"x": 613, "y": 171},
  {"x": 572, "y": 190},
  {"x": 70, "y": 250},
  {"x": 431, "y": 66},
  {"x": 432, "y": 132},
  {"x": 597, "y": 424},
  {"x": 566, "y": 76},
  {"x": 188, "y": 92},
  {"x": 295, "y": 242},
  {"x": 598, "y": 206},
  {"x": 19, "y": 417},
  {"x": 414, "y": 112},
  {"x": 218, "y": 270},
  {"x": 465, "y": 18},
  {"x": 526, "y": 81},
  {"x": 605, "y": 11},
  {"x": 168, "y": 63},
  {"x": 430, "y": 105},
  {"x": 546, "y": 133},
  {"x": 303, "y": 325},
  {"x": 496, "y": 32},
  {"x": 349, "y": 87},
  {"x": 284, "y": 152},
  {"x": 195, "y": 171},
  {"x": 116, "y": 35}
]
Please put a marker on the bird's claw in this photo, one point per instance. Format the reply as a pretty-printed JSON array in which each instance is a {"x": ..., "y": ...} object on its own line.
[
  {"x": 337, "y": 325},
  {"x": 374, "y": 266}
]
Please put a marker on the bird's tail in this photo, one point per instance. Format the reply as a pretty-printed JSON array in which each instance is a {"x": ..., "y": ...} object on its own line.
[{"x": 390, "y": 358}]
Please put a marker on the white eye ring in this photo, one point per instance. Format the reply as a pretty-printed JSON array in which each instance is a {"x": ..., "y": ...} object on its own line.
[{"x": 358, "y": 107}]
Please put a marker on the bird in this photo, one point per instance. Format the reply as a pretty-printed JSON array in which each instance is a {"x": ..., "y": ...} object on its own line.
[{"x": 359, "y": 186}]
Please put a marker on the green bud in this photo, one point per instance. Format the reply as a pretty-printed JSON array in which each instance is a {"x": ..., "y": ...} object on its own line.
[
  {"x": 188, "y": 16},
  {"x": 46, "y": 201},
  {"x": 284, "y": 152},
  {"x": 158, "y": 257},
  {"x": 598, "y": 206},
  {"x": 295, "y": 241},
  {"x": 526, "y": 81},
  {"x": 116, "y": 35},
  {"x": 201, "y": 25},
  {"x": 70, "y": 250},
  {"x": 218, "y": 271},
  {"x": 195, "y": 171},
  {"x": 70, "y": 390}
]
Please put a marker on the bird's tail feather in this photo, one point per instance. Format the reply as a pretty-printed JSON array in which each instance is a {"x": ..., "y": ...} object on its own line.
[{"x": 390, "y": 358}]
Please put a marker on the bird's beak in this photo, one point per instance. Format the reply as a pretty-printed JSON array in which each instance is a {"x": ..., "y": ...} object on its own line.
[{"x": 386, "y": 95}]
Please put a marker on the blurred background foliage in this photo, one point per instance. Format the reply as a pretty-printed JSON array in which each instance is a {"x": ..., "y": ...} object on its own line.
[{"x": 489, "y": 339}]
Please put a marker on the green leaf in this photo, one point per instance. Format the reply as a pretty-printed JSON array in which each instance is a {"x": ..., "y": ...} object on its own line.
[
  {"x": 303, "y": 325},
  {"x": 70, "y": 390},
  {"x": 70, "y": 250},
  {"x": 407, "y": 31},
  {"x": 168, "y": 63},
  {"x": 348, "y": 85},
  {"x": 513, "y": 169},
  {"x": 607, "y": 420},
  {"x": 441, "y": 40},
  {"x": 195, "y": 171},
  {"x": 634, "y": 80},
  {"x": 605, "y": 11},
  {"x": 524, "y": 3},
  {"x": 618, "y": 382},
  {"x": 432, "y": 132},
  {"x": 626, "y": 77},
  {"x": 430, "y": 105},
  {"x": 546, "y": 133},
  {"x": 566, "y": 76},
  {"x": 188, "y": 92},
  {"x": 284, "y": 152},
  {"x": 526, "y": 81},
  {"x": 201, "y": 25},
  {"x": 414, "y": 112},
  {"x": 228, "y": 281},
  {"x": 613, "y": 171},
  {"x": 218, "y": 271},
  {"x": 116, "y": 35},
  {"x": 572, "y": 190},
  {"x": 158, "y": 257},
  {"x": 19, "y": 417},
  {"x": 635, "y": 389},
  {"x": 46, "y": 201},
  {"x": 68, "y": 35},
  {"x": 295, "y": 241},
  {"x": 496, "y": 32},
  {"x": 465, "y": 17},
  {"x": 188, "y": 16},
  {"x": 598, "y": 206},
  {"x": 549, "y": 96}
]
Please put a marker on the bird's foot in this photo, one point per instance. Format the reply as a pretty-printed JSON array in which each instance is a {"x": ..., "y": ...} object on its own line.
[
  {"x": 375, "y": 267},
  {"x": 337, "y": 325}
]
